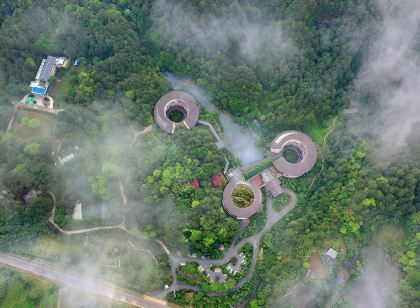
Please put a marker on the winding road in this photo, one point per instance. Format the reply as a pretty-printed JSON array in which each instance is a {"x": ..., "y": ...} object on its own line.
[
  {"x": 273, "y": 216},
  {"x": 50, "y": 273}
]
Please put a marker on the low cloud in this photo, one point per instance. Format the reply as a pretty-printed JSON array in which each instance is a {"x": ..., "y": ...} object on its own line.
[
  {"x": 240, "y": 141},
  {"x": 202, "y": 96},
  {"x": 387, "y": 88},
  {"x": 377, "y": 286},
  {"x": 255, "y": 39}
]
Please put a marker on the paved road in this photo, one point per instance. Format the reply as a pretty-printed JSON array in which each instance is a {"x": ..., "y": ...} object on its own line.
[
  {"x": 273, "y": 216},
  {"x": 175, "y": 260},
  {"x": 75, "y": 281}
]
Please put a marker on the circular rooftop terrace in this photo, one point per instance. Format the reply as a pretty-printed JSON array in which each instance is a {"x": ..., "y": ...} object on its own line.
[
  {"x": 182, "y": 105},
  {"x": 236, "y": 211},
  {"x": 302, "y": 145}
]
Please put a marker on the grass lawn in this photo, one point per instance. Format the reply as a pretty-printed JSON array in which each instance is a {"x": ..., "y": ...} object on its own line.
[
  {"x": 318, "y": 134},
  {"x": 44, "y": 125},
  {"x": 21, "y": 290},
  {"x": 63, "y": 83},
  {"x": 281, "y": 201}
]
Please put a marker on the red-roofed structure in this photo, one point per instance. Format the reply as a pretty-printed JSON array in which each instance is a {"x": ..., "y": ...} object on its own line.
[
  {"x": 195, "y": 183},
  {"x": 217, "y": 180},
  {"x": 257, "y": 180}
]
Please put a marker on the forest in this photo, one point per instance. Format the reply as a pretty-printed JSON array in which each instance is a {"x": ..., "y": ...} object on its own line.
[{"x": 272, "y": 65}]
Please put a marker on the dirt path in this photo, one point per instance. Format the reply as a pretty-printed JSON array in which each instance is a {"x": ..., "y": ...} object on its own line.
[
  {"x": 143, "y": 250},
  {"x": 146, "y": 130},
  {"x": 12, "y": 120},
  {"x": 292, "y": 289},
  {"x": 319, "y": 173},
  {"x": 51, "y": 221},
  {"x": 321, "y": 152},
  {"x": 121, "y": 225},
  {"x": 330, "y": 131}
]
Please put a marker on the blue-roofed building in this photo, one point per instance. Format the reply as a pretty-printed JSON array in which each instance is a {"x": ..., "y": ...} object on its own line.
[{"x": 47, "y": 69}]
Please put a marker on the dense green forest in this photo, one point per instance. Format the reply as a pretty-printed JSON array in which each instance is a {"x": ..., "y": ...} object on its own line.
[{"x": 124, "y": 48}]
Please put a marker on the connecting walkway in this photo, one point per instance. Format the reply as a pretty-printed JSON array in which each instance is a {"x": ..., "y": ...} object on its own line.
[{"x": 219, "y": 142}]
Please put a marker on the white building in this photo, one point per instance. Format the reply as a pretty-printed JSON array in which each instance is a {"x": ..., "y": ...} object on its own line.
[
  {"x": 332, "y": 253},
  {"x": 77, "y": 213}
]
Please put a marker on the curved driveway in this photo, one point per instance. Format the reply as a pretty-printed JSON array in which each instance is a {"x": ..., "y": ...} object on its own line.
[{"x": 273, "y": 216}]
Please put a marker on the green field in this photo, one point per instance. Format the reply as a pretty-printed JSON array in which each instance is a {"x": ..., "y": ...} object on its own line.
[
  {"x": 69, "y": 297},
  {"x": 318, "y": 134},
  {"x": 33, "y": 125}
]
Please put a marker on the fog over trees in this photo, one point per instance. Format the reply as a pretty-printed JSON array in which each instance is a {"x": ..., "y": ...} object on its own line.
[{"x": 267, "y": 67}]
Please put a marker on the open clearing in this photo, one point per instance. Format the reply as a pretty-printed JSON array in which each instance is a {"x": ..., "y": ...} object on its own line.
[{"x": 44, "y": 130}]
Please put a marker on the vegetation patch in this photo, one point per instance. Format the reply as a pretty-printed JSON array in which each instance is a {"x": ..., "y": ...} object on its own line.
[
  {"x": 190, "y": 274},
  {"x": 18, "y": 290},
  {"x": 83, "y": 299},
  {"x": 176, "y": 115},
  {"x": 258, "y": 168},
  {"x": 281, "y": 201},
  {"x": 108, "y": 254},
  {"x": 243, "y": 196},
  {"x": 291, "y": 155},
  {"x": 318, "y": 133},
  {"x": 30, "y": 125},
  {"x": 6, "y": 113}
]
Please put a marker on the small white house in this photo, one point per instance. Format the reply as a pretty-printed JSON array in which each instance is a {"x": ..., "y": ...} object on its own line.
[
  {"x": 66, "y": 159},
  {"x": 77, "y": 213},
  {"x": 332, "y": 253}
]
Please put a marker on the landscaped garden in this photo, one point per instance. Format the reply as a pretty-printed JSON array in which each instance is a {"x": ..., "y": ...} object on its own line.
[{"x": 243, "y": 196}]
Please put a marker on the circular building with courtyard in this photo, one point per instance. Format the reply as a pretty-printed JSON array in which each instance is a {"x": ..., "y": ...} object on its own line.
[
  {"x": 175, "y": 108},
  {"x": 235, "y": 210},
  {"x": 301, "y": 146}
]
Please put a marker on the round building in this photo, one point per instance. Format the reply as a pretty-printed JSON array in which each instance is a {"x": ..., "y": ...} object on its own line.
[
  {"x": 241, "y": 212},
  {"x": 302, "y": 146},
  {"x": 176, "y": 108}
]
